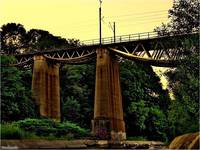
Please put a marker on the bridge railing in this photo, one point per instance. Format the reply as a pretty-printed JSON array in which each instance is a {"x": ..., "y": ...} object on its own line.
[
  {"x": 130, "y": 37},
  {"x": 122, "y": 38}
]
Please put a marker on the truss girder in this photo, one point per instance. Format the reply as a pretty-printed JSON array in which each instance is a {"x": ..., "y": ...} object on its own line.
[
  {"x": 22, "y": 61},
  {"x": 146, "y": 60},
  {"x": 72, "y": 57},
  {"x": 164, "y": 50},
  {"x": 69, "y": 56},
  {"x": 158, "y": 52}
]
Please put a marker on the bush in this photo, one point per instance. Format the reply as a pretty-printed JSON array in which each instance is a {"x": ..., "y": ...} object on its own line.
[
  {"x": 49, "y": 128},
  {"x": 156, "y": 124},
  {"x": 10, "y": 131},
  {"x": 69, "y": 127}
]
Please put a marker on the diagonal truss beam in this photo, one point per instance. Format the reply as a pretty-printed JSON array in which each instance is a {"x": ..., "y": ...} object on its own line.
[{"x": 150, "y": 61}]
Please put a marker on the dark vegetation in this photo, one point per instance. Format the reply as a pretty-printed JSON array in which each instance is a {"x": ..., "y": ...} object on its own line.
[
  {"x": 42, "y": 128},
  {"x": 183, "y": 112},
  {"x": 148, "y": 111}
]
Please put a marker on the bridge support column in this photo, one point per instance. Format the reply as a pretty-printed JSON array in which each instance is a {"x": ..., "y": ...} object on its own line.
[
  {"x": 46, "y": 87},
  {"x": 108, "y": 120}
]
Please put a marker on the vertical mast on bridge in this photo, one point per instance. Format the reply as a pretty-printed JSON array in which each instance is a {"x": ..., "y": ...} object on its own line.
[{"x": 100, "y": 1}]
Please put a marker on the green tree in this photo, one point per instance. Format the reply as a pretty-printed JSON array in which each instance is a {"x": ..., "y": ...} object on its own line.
[
  {"x": 16, "y": 102},
  {"x": 184, "y": 17},
  {"x": 184, "y": 80},
  {"x": 184, "y": 111},
  {"x": 145, "y": 102},
  {"x": 77, "y": 93},
  {"x": 43, "y": 40},
  {"x": 71, "y": 109},
  {"x": 13, "y": 37}
]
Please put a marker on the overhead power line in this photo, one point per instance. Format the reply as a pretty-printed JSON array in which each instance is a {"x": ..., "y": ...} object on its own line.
[
  {"x": 86, "y": 24},
  {"x": 143, "y": 22},
  {"x": 135, "y": 19},
  {"x": 139, "y": 14},
  {"x": 106, "y": 22},
  {"x": 144, "y": 14},
  {"x": 124, "y": 21}
]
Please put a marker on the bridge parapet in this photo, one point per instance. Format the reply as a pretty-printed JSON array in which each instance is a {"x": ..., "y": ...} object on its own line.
[{"x": 132, "y": 37}]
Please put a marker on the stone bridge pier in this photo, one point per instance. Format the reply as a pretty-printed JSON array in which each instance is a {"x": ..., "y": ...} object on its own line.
[
  {"x": 46, "y": 87},
  {"x": 108, "y": 122}
]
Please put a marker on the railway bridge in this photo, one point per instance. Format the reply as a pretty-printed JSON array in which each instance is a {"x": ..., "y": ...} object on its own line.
[{"x": 148, "y": 48}]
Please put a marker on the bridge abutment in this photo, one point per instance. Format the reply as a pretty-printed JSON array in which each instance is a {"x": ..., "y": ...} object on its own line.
[
  {"x": 108, "y": 120},
  {"x": 46, "y": 87}
]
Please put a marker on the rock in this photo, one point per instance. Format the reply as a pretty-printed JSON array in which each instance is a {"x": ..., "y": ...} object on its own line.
[
  {"x": 186, "y": 141},
  {"x": 144, "y": 144},
  {"x": 90, "y": 143},
  {"x": 102, "y": 143},
  {"x": 9, "y": 147}
]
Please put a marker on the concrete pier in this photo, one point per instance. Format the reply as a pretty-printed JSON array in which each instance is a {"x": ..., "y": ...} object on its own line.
[
  {"x": 108, "y": 122},
  {"x": 46, "y": 87}
]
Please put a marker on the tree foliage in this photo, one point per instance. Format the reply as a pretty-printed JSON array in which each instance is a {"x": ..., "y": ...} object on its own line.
[
  {"x": 13, "y": 36},
  {"x": 16, "y": 102},
  {"x": 145, "y": 102},
  {"x": 184, "y": 80},
  {"x": 77, "y": 93},
  {"x": 184, "y": 18},
  {"x": 15, "y": 39},
  {"x": 184, "y": 111},
  {"x": 43, "y": 40}
]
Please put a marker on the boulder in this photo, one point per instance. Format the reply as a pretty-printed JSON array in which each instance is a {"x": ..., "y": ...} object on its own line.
[{"x": 186, "y": 141}]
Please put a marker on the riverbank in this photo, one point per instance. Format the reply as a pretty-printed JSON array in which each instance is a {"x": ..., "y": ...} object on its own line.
[{"x": 79, "y": 144}]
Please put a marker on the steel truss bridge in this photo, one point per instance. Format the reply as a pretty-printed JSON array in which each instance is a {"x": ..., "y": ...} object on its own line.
[{"x": 148, "y": 48}]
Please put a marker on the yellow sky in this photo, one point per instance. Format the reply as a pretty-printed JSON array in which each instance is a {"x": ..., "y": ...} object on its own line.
[{"x": 79, "y": 18}]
